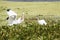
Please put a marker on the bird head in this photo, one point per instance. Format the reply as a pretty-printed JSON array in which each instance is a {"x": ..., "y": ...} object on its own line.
[{"x": 8, "y": 9}]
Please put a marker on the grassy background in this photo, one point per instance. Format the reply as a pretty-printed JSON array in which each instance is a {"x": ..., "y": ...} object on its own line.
[
  {"x": 31, "y": 8},
  {"x": 30, "y": 29}
]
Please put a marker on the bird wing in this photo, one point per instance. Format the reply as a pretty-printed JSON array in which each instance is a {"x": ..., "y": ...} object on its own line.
[
  {"x": 11, "y": 19},
  {"x": 10, "y": 13}
]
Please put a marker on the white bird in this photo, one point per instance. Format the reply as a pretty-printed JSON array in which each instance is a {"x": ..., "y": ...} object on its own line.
[
  {"x": 19, "y": 20},
  {"x": 12, "y": 18},
  {"x": 41, "y": 22},
  {"x": 11, "y": 13}
]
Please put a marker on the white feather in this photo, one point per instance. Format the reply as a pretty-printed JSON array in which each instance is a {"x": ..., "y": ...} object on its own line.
[
  {"x": 42, "y": 22},
  {"x": 10, "y": 13},
  {"x": 12, "y": 18}
]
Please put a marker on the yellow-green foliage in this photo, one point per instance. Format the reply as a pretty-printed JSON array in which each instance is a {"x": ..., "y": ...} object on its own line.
[{"x": 30, "y": 29}]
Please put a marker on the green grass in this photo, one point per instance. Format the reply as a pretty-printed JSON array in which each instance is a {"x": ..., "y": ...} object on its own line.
[{"x": 30, "y": 29}]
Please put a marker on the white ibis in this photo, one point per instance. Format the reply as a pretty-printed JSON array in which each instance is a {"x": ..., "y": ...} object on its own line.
[
  {"x": 12, "y": 18},
  {"x": 41, "y": 22}
]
